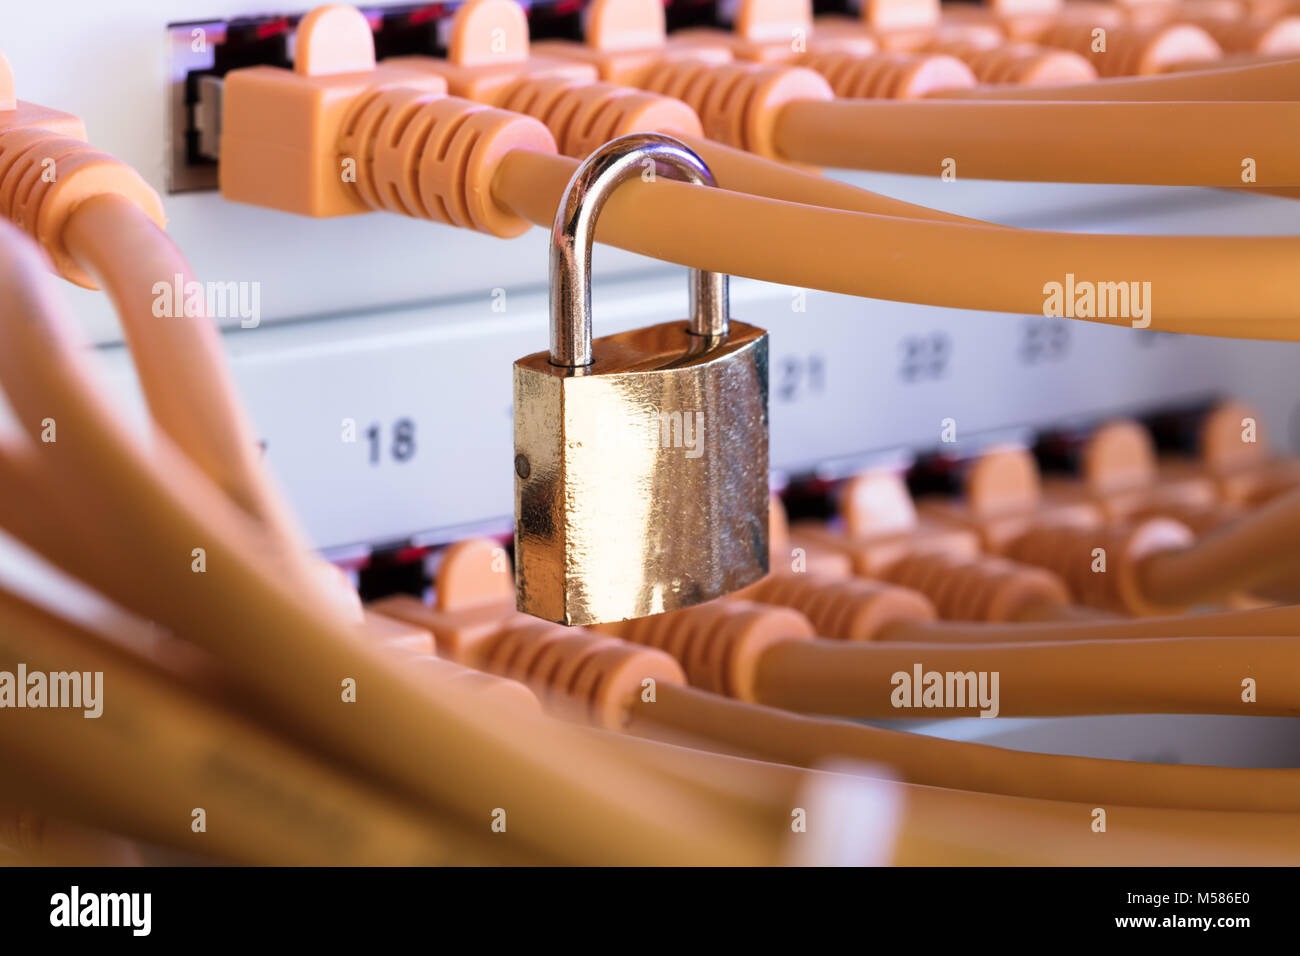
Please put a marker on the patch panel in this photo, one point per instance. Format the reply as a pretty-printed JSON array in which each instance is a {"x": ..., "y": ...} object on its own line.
[
  {"x": 924, "y": 363},
  {"x": 852, "y": 383}
]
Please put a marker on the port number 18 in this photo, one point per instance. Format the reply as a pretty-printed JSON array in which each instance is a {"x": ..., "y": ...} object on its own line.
[{"x": 402, "y": 446}]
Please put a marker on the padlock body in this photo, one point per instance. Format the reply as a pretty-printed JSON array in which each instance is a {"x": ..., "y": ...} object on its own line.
[{"x": 641, "y": 481}]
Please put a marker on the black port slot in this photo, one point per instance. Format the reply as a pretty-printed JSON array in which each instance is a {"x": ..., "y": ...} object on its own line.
[
  {"x": 397, "y": 569},
  {"x": 682, "y": 14},
  {"x": 412, "y": 32},
  {"x": 938, "y": 473},
  {"x": 1061, "y": 450},
  {"x": 1177, "y": 431},
  {"x": 561, "y": 20},
  {"x": 810, "y": 499},
  {"x": 253, "y": 42},
  {"x": 248, "y": 42}
]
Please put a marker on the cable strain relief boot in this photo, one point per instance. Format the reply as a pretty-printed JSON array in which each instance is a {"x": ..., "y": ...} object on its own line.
[
  {"x": 433, "y": 157},
  {"x": 583, "y": 116},
  {"x": 718, "y": 644},
  {"x": 1101, "y": 565},
  {"x": 1259, "y": 35},
  {"x": 45, "y": 175},
  {"x": 849, "y": 609},
  {"x": 738, "y": 103},
  {"x": 981, "y": 588},
  {"x": 1128, "y": 50},
  {"x": 890, "y": 75},
  {"x": 1022, "y": 63},
  {"x": 580, "y": 674}
]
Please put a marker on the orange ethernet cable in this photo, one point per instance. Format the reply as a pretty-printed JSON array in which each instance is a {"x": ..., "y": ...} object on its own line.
[
  {"x": 589, "y": 677},
  {"x": 101, "y": 226},
  {"x": 1169, "y": 143},
  {"x": 593, "y": 678},
  {"x": 938, "y": 826},
  {"x": 1134, "y": 49},
  {"x": 1019, "y": 64},
  {"x": 1253, "y": 35},
  {"x": 768, "y": 655},
  {"x": 746, "y": 172},
  {"x": 788, "y": 113},
  {"x": 264, "y": 629},
  {"x": 676, "y": 223},
  {"x": 865, "y": 609},
  {"x": 47, "y": 539},
  {"x": 996, "y": 601},
  {"x": 495, "y": 171},
  {"x": 626, "y": 40},
  {"x": 1158, "y": 568},
  {"x": 43, "y": 514},
  {"x": 1172, "y": 675},
  {"x": 881, "y": 529},
  {"x": 1283, "y": 620},
  {"x": 37, "y": 839},
  {"x": 684, "y": 714},
  {"x": 875, "y": 618},
  {"x": 130, "y": 255},
  {"x": 942, "y": 827},
  {"x": 948, "y": 827},
  {"x": 1237, "y": 551},
  {"x": 955, "y": 56},
  {"x": 579, "y": 113},
  {"x": 897, "y": 559},
  {"x": 267, "y": 802},
  {"x": 1279, "y": 80},
  {"x": 859, "y": 609}
]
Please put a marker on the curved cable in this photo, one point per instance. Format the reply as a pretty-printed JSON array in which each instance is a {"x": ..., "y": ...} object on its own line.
[
  {"x": 291, "y": 654},
  {"x": 1198, "y": 283},
  {"x": 1169, "y": 143},
  {"x": 1260, "y": 81}
]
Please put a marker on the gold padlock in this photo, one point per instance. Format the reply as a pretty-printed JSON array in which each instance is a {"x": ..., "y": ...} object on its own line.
[{"x": 641, "y": 459}]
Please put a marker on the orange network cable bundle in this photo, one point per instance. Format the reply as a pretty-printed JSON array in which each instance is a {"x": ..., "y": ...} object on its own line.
[{"x": 971, "y": 538}]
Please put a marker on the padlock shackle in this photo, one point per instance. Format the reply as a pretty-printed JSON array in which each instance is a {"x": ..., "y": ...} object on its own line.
[{"x": 575, "y": 227}]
